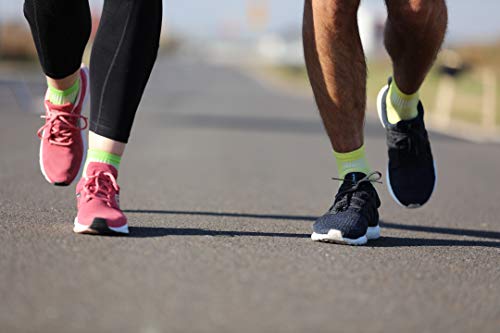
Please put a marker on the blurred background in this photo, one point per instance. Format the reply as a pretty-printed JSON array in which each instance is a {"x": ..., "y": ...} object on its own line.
[
  {"x": 228, "y": 168},
  {"x": 263, "y": 37}
]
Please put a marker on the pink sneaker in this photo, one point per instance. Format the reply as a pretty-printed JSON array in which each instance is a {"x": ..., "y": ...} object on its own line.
[
  {"x": 98, "y": 204},
  {"x": 62, "y": 137}
]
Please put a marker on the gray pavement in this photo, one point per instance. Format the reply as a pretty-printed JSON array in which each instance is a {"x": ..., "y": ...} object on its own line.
[{"x": 221, "y": 182}]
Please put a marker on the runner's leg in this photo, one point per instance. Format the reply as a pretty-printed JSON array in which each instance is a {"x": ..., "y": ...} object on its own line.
[
  {"x": 414, "y": 33},
  {"x": 122, "y": 59},
  {"x": 61, "y": 30},
  {"x": 337, "y": 71}
]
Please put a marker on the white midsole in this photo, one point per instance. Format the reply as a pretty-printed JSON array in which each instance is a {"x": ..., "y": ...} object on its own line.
[
  {"x": 79, "y": 228},
  {"x": 380, "y": 95},
  {"x": 335, "y": 236}
]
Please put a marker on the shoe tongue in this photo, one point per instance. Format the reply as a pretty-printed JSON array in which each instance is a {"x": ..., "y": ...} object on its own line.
[
  {"x": 354, "y": 177},
  {"x": 403, "y": 124},
  {"x": 95, "y": 167},
  {"x": 67, "y": 107}
]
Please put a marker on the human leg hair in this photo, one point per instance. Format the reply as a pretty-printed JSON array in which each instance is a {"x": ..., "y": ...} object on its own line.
[
  {"x": 337, "y": 69},
  {"x": 414, "y": 33}
]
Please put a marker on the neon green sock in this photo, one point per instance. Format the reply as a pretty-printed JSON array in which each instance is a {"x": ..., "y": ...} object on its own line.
[
  {"x": 96, "y": 155},
  {"x": 354, "y": 161},
  {"x": 60, "y": 97},
  {"x": 401, "y": 106}
]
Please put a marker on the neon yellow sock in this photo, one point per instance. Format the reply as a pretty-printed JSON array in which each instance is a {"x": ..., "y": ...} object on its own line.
[
  {"x": 60, "y": 97},
  {"x": 401, "y": 106},
  {"x": 96, "y": 155},
  {"x": 354, "y": 161}
]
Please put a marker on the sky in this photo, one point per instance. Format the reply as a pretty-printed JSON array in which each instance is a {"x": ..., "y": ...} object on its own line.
[{"x": 470, "y": 21}]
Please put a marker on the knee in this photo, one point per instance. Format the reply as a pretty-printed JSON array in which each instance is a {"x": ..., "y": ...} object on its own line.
[{"x": 415, "y": 12}]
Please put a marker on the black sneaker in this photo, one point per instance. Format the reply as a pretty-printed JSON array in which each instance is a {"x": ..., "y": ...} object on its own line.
[
  {"x": 353, "y": 218},
  {"x": 411, "y": 171}
]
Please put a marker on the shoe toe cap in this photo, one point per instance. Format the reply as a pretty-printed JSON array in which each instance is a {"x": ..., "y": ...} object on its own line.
[
  {"x": 60, "y": 164},
  {"x": 113, "y": 217},
  {"x": 412, "y": 187},
  {"x": 350, "y": 224}
]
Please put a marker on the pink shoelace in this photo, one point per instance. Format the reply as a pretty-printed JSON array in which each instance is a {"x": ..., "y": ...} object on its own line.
[
  {"x": 59, "y": 127},
  {"x": 101, "y": 185}
]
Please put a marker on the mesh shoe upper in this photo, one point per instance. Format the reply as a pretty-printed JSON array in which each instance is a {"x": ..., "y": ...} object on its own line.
[
  {"x": 354, "y": 209},
  {"x": 411, "y": 171},
  {"x": 97, "y": 196},
  {"x": 61, "y": 147}
]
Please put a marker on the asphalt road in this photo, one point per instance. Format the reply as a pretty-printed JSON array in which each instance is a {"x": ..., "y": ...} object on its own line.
[{"x": 221, "y": 181}]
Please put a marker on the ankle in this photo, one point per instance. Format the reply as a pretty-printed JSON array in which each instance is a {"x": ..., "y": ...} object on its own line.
[
  {"x": 354, "y": 161},
  {"x": 401, "y": 106},
  {"x": 60, "y": 97},
  {"x": 100, "y": 156}
]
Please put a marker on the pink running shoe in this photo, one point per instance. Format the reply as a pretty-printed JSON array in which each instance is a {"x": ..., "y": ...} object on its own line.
[
  {"x": 97, "y": 195},
  {"x": 62, "y": 137}
]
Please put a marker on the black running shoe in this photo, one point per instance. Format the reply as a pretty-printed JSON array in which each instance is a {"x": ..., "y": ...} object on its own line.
[
  {"x": 353, "y": 218},
  {"x": 411, "y": 171}
]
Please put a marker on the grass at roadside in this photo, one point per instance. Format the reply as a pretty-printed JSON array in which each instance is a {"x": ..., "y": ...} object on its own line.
[{"x": 468, "y": 100}]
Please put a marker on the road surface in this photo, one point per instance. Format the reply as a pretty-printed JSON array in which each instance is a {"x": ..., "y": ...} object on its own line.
[{"x": 221, "y": 182}]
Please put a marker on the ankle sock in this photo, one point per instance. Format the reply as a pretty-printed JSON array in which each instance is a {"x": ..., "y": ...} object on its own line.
[
  {"x": 96, "y": 155},
  {"x": 401, "y": 106},
  {"x": 354, "y": 161},
  {"x": 60, "y": 97}
]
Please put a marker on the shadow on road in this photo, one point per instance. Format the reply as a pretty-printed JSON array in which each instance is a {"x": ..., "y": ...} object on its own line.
[
  {"x": 148, "y": 232},
  {"x": 224, "y": 214},
  {"x": 144, "y": 232},
  {"x": 421, "y": 242},
  {"x": 446, "y": 231}
]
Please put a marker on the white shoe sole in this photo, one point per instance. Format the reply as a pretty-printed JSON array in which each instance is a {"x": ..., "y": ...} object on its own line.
[
  {"x": 85, "y": 229},
  {"x": 335, "y": 236},
  {"x": 84, "y": 138},
  {"x": 384, "y": 122}
]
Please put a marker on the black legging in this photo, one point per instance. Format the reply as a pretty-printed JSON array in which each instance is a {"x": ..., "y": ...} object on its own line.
[{"x": 123, "y": 54}]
